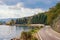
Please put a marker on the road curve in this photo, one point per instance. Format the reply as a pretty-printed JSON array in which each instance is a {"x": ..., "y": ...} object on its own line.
[{"x": 48, "y": 34}]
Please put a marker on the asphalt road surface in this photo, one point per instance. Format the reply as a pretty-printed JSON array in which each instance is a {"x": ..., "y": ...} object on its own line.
[{"x": 48, "y": 34}]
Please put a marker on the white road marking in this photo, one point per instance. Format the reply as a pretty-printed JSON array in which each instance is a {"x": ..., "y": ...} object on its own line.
[
  {"x": 39, "y": 36},
  {"x": 52, "y": 35}
]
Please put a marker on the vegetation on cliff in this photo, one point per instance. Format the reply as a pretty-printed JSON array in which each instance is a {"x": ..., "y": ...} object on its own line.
[{"x": 30, "y": 35}]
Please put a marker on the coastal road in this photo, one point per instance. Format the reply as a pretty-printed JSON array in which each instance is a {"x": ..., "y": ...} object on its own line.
[{"x": 47, "y": 33}]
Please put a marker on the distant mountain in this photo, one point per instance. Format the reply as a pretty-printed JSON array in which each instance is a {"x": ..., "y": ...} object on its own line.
[{"x": 6, "y": 20}]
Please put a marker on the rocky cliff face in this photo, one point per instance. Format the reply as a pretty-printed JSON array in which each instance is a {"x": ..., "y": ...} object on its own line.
[{"x": 56, "y": 24}]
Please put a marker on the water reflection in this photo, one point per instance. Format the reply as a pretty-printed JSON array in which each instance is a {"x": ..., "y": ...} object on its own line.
[{"x": 9, "y": 32}]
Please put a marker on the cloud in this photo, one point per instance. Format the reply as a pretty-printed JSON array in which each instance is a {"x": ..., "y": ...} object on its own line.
[
  {"x": 17, "y": 11},
  {"x": 29, "y": 1},
  {"x": 44, "y": 4},
  {"x": 2, "y": 3},
  {"x": 17, "y": 6},
  {"x": 22, "y": 8}
]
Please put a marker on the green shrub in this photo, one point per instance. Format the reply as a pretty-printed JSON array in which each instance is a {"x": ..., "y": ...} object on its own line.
[{"x": 27, "y": 36}]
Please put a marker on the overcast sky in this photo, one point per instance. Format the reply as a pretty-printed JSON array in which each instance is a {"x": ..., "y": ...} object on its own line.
[{"x": 23, "y": 8}]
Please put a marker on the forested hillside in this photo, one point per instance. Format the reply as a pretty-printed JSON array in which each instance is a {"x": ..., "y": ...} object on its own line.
[
  {"x": 53, "y": 13},
  {"x": 42, "y": 18}
]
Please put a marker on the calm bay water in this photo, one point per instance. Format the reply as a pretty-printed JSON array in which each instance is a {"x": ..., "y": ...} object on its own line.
[{"x": 9, "y": 32}]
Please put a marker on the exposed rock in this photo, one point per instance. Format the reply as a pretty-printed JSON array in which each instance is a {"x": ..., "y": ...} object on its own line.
[{"x": 56, "y": 25}]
